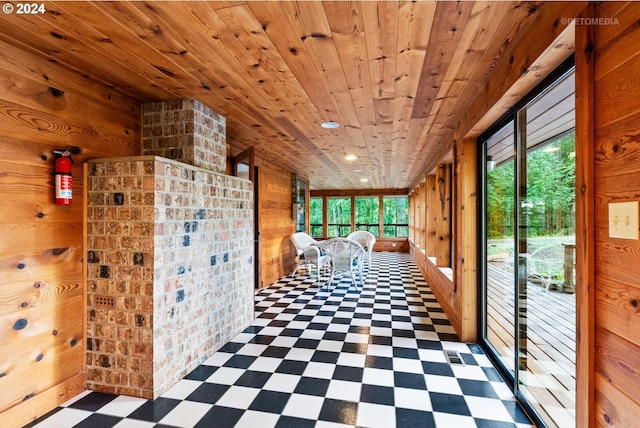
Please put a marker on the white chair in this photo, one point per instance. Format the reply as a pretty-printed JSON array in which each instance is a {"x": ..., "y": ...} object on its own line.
[
  {"x": 366, "y": 239},
  {"x": 347, "y": 256},
  {"x": 308, "y": 253},
  {"x": 545, "y": 264}
]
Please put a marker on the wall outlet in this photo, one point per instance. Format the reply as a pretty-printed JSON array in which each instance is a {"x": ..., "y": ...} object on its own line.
[{"x": 623, "y": 220}]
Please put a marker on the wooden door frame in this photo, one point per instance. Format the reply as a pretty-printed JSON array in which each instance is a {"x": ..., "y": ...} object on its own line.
[{"x": 247, "y": 156}]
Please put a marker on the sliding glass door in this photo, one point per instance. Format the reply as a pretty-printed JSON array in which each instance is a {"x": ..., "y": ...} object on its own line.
[
  {"x": 500, "y": 222},
  {"x": 528, "y": 285}
]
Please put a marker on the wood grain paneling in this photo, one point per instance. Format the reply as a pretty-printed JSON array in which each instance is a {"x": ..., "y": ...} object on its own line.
[
  {"x": 421, "y": 209},
  {"x": 360, "y": 192},
  {"x": 430, "y": 223},
  {"x": 613, "y": 409},
  {"x": 276, "y": 224},
  {"x": 42, "y": 402},
  {"x": 616, "y": 363},
  {"x": 412, "y": 216},
  {"x": 431, "y": 247},
  {"x": 585, "y": 222},
  {"x": 465, "y": 248},
  {"x": 390, "y": 244},
  {"x": 441, "y": 286},
  {"x": 521, "y": 69},
  {"x": 618, "y": 308},
  {"x": 618, "y": 144},
  {"x": 44, "y": 106},
  {"x": 443, "y": 216},
  {"x": 616, "y": 156},
  {"x": 54, "y": 273}
]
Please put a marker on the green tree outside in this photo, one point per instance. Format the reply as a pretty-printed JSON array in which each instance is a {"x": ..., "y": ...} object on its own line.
[{"x": 549, "y": 205}]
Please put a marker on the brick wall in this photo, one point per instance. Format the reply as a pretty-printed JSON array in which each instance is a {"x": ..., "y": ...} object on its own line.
[
  {"x": 170, "y": 270},
  {"x": 187, "y": 131}
]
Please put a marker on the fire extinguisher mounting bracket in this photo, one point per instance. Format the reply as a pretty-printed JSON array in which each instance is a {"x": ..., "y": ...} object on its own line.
[{"x": 72, "y": 150}]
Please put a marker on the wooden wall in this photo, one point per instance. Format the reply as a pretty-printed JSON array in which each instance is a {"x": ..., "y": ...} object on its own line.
[
  {"x": 615, "y": 168},
  {"x": 395, "y": 245},
  {"x": 276, "y": 223},
  {"x": 440, "y": 231},
  {"x": 42, "y": 335}
]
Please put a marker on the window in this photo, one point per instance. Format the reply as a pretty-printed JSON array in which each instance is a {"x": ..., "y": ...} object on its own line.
[
  {"x": 368, "y": 214},
  {"x": 299, "y": 204},
  {"x": 333, "y": 216},
  {"x": 315, "y": 214},
  {"x": 338, "y": 217},
  {"x": 396, "y": 216}
]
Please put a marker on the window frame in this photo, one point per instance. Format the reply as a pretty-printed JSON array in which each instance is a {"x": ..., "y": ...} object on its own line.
[
  {"x": 395, "y": 224},
  {"x": 368, "y": 226},
  {"x": 322, "y": 216},
  {"x": 353, "y": 194},
  {"x": 338, "y": 225}
]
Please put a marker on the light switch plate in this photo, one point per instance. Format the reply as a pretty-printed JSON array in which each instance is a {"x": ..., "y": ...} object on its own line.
[{"x": 623, "y": 220}]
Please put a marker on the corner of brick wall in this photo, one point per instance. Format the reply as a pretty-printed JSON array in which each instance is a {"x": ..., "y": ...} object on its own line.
[{"x": 187, "y": 131}]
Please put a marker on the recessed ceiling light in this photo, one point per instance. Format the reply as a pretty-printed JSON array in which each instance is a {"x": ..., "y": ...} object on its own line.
[
  {"x": 358, "y": 170},
  {"x": 364, "y": 180},
  {"x": 351, "y": 157},
  {"x": 330, "y": 125}
]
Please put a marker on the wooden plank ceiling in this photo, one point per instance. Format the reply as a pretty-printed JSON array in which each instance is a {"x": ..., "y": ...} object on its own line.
[{"x": 397, "y": 75}]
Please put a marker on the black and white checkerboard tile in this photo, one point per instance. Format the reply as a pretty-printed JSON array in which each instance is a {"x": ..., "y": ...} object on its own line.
[{"x": 319, "y": 355}]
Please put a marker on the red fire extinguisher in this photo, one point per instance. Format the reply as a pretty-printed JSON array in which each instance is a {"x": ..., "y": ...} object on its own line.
[{"x": 63, "y": 178}]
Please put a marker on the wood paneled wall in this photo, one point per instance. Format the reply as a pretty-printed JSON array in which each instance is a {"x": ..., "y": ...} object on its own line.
[
  {"x": 432, "y": 244},
  {"x": 420, "y": 202},
  {"x": 465, "y": 230},
  {"x": 42, "y": 332},
  {"x": 276, "y": 223},
  {"x": 615, "y": 167},
  {"x": 585, "y": 222},
  {"x": 429, "y": 193},
  {"x": 396, "y": 245},
  {"x": 443, "y": 215}
]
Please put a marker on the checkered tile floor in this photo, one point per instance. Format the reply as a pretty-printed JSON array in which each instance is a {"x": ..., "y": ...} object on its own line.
[{"x": 319, "y": 356}]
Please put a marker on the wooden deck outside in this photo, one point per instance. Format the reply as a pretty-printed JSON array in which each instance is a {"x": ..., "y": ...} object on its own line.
[{"x": 551, "y": 345}]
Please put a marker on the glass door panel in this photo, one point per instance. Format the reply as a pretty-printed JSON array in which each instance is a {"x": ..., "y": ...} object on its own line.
[
  {"x": 500, "y": 234},
  {"x": 546, "y": 201}
]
